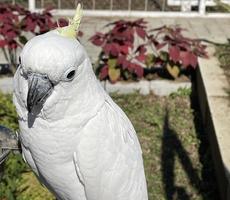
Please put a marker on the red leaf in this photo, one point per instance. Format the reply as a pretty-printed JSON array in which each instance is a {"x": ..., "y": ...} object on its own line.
[
  {"x": 174, "y": 53},
  {"x": 111, "y": 49},
  {"x": 11, "y": 34},
  {"x": 114, "y": 49},
  {"x": 124, "y": 49},
  {"x": 62, "y": 22},
  {"x": 12, "y": 44},
  {"x": 193, "y": 60},
  {"x": 138, "y": 70},
  {"x": 127, "y": 65},
  {"x": 30, "y": 25},
  {"x": 107, "y": 48},
  {"x": 120, "y": 60},
  {"x": 104, "y": 72},
  {"x": 141, "y": 32},
  {"x": 6, "y": 28},
  {"x": 97, "y": 42},
  {"x": 141, "y": 49},
  {"x": 2, "y": 43},
  {"x": 141, "y": 57},
  {"x": 97, "y": 39},
  {"x": 188, "y": 58}
]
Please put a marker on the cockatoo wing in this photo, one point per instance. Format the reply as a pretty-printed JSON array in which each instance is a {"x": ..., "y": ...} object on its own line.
[{"x": 108, "y": 159}]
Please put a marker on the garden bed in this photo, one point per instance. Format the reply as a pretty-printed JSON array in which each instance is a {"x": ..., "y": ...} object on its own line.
[{"x": 175, "y": 149}]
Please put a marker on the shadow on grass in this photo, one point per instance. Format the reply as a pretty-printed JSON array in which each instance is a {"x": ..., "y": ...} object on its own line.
[
  {"x": 172, "y": 147},
  {"x": 206, "y": 183}
]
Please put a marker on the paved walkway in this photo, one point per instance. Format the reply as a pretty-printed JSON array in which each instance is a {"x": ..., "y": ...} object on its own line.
[{"x": 217, "y": 30}]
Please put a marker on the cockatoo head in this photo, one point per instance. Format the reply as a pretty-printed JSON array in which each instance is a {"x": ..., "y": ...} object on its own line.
[{"x": 51, "y": 59}]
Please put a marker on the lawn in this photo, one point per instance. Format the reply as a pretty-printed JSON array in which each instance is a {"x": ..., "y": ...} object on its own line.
[
  {"x": 175, "y": 149},
  {"x": 223, "y": 52}
]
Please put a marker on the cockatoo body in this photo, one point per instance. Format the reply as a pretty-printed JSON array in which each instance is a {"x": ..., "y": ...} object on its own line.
[{"x": 77, "y": 141}]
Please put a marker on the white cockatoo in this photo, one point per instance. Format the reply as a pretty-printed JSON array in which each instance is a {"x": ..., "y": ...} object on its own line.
[{"x": 78, "y": 142}]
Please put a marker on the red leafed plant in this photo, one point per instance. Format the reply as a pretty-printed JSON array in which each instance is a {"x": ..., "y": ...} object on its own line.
[
  {"x": 15, "y": 23},
  {"x": 176, "y": 51},
  {"x": 120, "y": 58},
  {"x": 129, "y": 51}
]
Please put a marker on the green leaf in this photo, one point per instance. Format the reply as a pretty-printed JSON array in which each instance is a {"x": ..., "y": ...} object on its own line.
[
  {"x": 114, "y": 74},
  {"x": 126, "y": 74},
  {"x": 164, "y": 56},
  {"x": 174, "y": 70},
  {"x": 149, "y": 60},
  {"x": 23, "y": 39},
  {"x": 112, "y": 62}
]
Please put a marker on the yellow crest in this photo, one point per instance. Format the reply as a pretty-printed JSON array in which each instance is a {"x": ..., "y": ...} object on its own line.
[{"x": 71, "y": 30}]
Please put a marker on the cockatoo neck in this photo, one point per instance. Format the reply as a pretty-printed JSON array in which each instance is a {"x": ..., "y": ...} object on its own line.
[{"x": 81, "y": 99}]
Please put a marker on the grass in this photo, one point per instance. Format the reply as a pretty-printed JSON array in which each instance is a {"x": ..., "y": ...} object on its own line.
[
  {"x": 223, "y": 54},
  {"x": 175, "y": 150}
]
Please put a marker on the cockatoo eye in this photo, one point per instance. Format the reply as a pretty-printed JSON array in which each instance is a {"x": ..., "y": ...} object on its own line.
[{"x": 69, "y": 74}]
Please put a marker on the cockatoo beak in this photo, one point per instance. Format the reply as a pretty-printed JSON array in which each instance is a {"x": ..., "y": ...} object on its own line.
[{"x": 39, "y": 89}]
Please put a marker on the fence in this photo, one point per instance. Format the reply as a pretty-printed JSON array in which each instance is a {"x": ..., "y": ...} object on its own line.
[{"x": 137, "y": 8}]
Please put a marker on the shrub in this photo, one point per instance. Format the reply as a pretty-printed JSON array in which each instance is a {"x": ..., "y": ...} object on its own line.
[
  {"x": 176, "y": 51},
  {"x": 13, "y": 166},
  {"x": 15, "y": 24},
  {"x": 130, "y": 51},
  {"x": 119, "y": 56},
  {"x": 16, "y": 179}
]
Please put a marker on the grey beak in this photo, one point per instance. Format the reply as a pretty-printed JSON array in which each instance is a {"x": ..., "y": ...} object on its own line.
[{"x": 39, "y": 89}]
